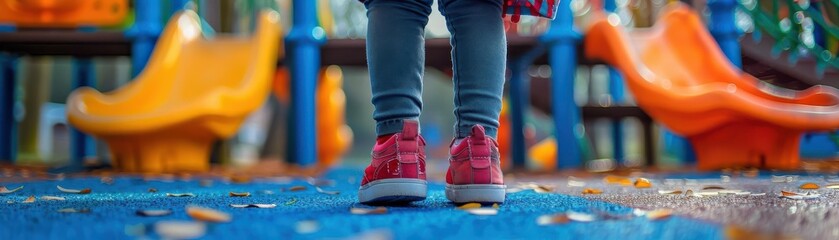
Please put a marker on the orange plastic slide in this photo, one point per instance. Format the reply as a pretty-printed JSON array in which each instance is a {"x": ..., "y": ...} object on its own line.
[
  {"x": 193, "y": 92},
  {"x": 334, "y": 136},
  {"x": 63, "y": 13},
  {"x": 679, "y": 76}
]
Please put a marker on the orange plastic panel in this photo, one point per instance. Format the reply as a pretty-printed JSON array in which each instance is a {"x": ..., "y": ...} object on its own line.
[
  {"x": 193, "y": 92},
  {"x": 63, "y": 13},
  {"x": 504, "y": 132},
  {"x": 679, "y": 76},
  {"x": 334, "y": 136}
]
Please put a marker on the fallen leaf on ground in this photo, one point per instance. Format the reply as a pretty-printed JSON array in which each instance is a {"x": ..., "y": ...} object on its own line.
[
  {"x": 543, "y": 189},
  {"x": 677, "y": 191},
  {"x": 153, "y": 212},
  {"x": 306, "y": 227},
  {"x": 580, "y": 217},
  {"x": 240, "y": 194},
  {"x": 207, "y": 215},
  {"x": 320, "y": 182},
  {"x": 469, "y": 206},
  {"x": 778, "y": 179},
  {"x": 73, "y": 210},
  {"x": 643, "y": 183},
  {"x": 690, "y": 193},
  {"x": 575, "y": 182},
  {"x": 296, "y": 188},
  {"x": 180, "y": 229},
  {"x": 733, "y": 192},
  {"x": 482, "y": 211},
  {"x": 79, "y": 191},
  {"x": 52, "y": 198},
  {"x": 539, "y": 188},
  {"x": 712, "y": 187},
  {"x": 320, "y": 190},
  {"x": 255, "y": 205},
  {"x": 180, "y": 195},
  {"x": 592, "y": 191},
  {"x": 659, "y": 214},
  {"x": 708, "y": 192},
  {"x": 4, "y": 190},
  {"x": 639, "y": 212},
  {"x": 107, "y": 180},
  {"x": 612, "y": 179},
  {"x": 559, "y": 218},
  {"x": 809, "y": 185},
  {"x": 240, "y": 179},
  {"x": 291, "y": 201},
  {"x": 799, "y": 196},
  {"x": 368, "y": 211},
  {"x": 30, "y": 199},
  {"x": 734, "y": 232}
]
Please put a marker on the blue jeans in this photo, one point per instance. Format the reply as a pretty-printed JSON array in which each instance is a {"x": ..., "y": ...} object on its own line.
[{"x": 396, "y": 60}]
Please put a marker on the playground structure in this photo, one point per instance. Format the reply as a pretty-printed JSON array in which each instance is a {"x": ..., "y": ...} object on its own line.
[
  {"x": 41, "y": 13},
  {"x": 334, "y": 136},
  {"x": 729, "y": 119},
  {"x": 192, "y": 92},
  {"x": 308, "y": 52}
]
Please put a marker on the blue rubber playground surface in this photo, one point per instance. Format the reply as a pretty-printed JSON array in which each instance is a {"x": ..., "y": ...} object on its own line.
[{"x": 110, "y": 211}]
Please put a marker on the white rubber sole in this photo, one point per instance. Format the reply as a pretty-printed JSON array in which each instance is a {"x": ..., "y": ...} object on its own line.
[
  {"x": 393, "y": 191},
  {"x": 481, "y": 193}
]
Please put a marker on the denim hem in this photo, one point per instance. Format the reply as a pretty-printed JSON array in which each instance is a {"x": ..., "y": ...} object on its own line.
[{"x": 391, "y": 126}]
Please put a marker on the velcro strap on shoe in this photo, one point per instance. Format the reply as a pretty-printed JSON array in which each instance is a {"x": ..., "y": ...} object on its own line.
[
  {"x": 478, "y": 135},
  {"x": 410, "y": 130},
  {"x": 408, "y": 158}
]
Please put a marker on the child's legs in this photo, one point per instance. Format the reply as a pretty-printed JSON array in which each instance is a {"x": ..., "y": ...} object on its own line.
[
  {"x": 396, "y": 59},
  {"x": 479, "y": 53}
]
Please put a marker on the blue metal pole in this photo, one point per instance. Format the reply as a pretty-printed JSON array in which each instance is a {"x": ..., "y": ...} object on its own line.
[
  {"x": 144, "y": 33},
  {"x": 178, "y": 5},
  {"x": 8, "y": 124},
  {"x": 303, "y": 47},
  {"x": 519, "y": 101},
  {"x": 561, "y": 40},
  {"x": 82, "y": 144},
  {"x": 724, "y": 30},
  {"x": 616, "y": 90}
]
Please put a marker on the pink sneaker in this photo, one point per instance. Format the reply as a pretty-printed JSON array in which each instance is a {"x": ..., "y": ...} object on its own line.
[
  {"x": 475, "y": 170},
  {"x": 397, "y": 172}
]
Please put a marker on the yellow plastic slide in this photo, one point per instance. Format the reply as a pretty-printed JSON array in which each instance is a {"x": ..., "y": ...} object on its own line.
[
  {"x": 193, "y": 92},
  {"x": 679, "y": 76}
]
